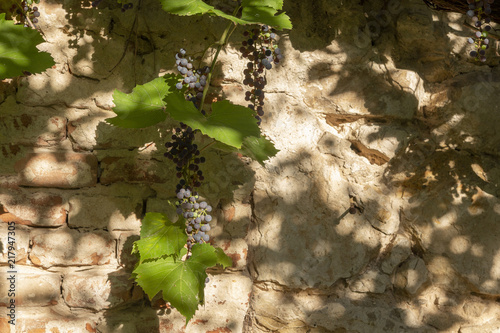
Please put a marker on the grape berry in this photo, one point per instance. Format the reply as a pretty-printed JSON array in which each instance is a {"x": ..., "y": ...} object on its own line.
[
  {"x": 479, "y": 11},
  {"x": 262, "y": 52},
  {"x": 185, "y": 154},
  {"x": 197, "y": 216},
  {"x": 26, "y": 12},
  {"x": 194, "y": 79}
]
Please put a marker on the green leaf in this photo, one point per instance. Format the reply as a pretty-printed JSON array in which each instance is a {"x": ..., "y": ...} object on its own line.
[
  {"x": 275, "y": 4},
  {"x": 228, "y": 123},
  {"x": 144, "y": 106},
  {"x": 266, "y": 15},
  {"x": 195, "y": 7},
  {"x": 18, "y": 51},
  {"x": 182, "y": 282},
  {"x": 259, "y": 149},
  {"x": 254, "y": 11},
  {"x": 222, "y": 258},
  {"x": 160, "y": 237}
]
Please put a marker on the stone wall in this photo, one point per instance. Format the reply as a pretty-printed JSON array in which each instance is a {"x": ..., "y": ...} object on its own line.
[{"x": 376, "y": 104}]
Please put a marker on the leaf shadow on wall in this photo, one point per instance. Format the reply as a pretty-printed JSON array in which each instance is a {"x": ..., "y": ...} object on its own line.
[{"x": 443, "y": 170}]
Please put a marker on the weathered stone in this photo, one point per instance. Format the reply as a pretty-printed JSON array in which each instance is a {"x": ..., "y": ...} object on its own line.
[
  {"x": 329, "y": 314},
  {"x": 33, "y": 286},
  {"x": 493, "y": 328},
  {"x": 17, "y": 236},
  {"x": 104, "y": 212},
  {"x": 32, "y": 130},
  {"x": 370, "y": 282},
  {"x": 110, "y": 137},
  {"x": 411, "y": 275},
  {"x": 326, "y": 251},
  {"x": 54, "y": 319},
  {"x": 125, "y": 241},
  {"x": 400, "y": 251},
  {"x": 68, "y": 247},
  {"x": 117, "y": 169},
  {"x": 33, "y": 208},
  {"x": 97, "y": 289},
  {"x": 57, "y": 169},
  {"x": 235, "y": 248}
]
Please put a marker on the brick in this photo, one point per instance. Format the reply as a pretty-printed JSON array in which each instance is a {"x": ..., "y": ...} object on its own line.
[
  {"x": 57, "y": 169},
  {"x": 33, "y": 208},
  {"x": 163, "y": 206},
  {"x": 21, "y": 245},
  {"x": 10, "y": 154},
  {"x": 34, "y": 287},
  {"x": 32, "y": 130},
  {"x": 68, "y": 247},
  {"x": 5, "y": 327},
  {"x": 122, "y": 169},
  {"x": 125, "y": 257},
  {"x": 105, "y": 212},
  {"x": 98, "y": 289},
  {"x": 136, "y": 320},
  {"x": 48, "y": 320},
  {"x": 236, "y": 249}
]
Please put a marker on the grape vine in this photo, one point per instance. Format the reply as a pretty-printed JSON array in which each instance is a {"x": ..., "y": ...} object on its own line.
[
  {"x": 479, "y": 11},
  {"x": 173, "y": 255}
]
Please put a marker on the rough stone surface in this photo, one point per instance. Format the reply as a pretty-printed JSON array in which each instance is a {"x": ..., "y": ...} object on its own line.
[
  {"x": 33, "y": 287},
  {"x": 64, "y": 170},
  {"x": 69, "y": 247},
  {"x": 33, "y": 208},
  {"x": 32, "y": 130},
  {"x": 19, "y": 238},
  {"x": 97, "y": 289},
  {"x": 104, "y": 212}
]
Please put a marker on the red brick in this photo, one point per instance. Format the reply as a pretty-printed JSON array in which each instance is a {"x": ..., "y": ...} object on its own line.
[
  {"x": 22, "y": 242},
  {"x": 34, "y": 287},
  {"x": 46, "y": 320},
  {"x": 118, "y": 169},
  {"x": 98, "y": 289},
  {"x": 58, "y": 169},
  {"x": 68, "y": 247},
  {"x": 105, "y": 212},
  {"x": 32, "y": 130},
  {"x": 33, "y": 208},
  {"x": 126, "y": 240},
  {"x": 5, "y": 327}
]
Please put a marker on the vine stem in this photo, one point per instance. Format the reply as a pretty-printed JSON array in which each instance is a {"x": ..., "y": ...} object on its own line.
[
  {"x": 221, "y": 43},
  {"x": 208, "y": 145}
]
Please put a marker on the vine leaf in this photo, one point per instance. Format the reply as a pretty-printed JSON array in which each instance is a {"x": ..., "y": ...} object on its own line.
[
  {"x": 254, "y": 11},
  {"x": 144, "y": 106},
  {"x": 160, "y": 237},
  {"x": 18, "y": 51},
  {"x": 228, "y": 123},
  {"x": 264, "y": 11},
  {"x": 182, "y": 282},
  {"x": 259, "y": 149},
  {"x": 195, "y": 7}
]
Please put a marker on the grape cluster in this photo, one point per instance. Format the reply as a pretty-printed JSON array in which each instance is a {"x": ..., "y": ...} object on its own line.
[
  {"x": 26, "y": 12},
  {"x": 196, "y": 214},
  {"x": 261, "y": 50},
  {"x": 185, "y": 154},
  {"x": 194, "y": 79},
  {"x": 479, "y": 11}
]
